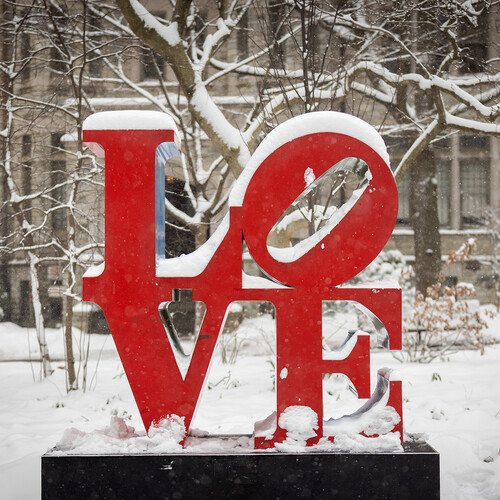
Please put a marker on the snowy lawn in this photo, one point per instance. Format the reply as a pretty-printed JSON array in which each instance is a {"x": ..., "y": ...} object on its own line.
[{"x": 455, "y": 403}]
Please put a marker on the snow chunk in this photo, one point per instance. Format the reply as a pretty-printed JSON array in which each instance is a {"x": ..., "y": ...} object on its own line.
[
  {"x": 383, "y": 420},
  {"x": 167, "y": 433},
  {"x": 119, "y": 429},
  {"x": 299, "y": 126},
  {"x": 300, "y": 423},
  {"x": 109, "y": 439},
  {"x": 235, "y": 307},
  {"x": 309, "y": 176},
  {"x": 70, "y": 437}
]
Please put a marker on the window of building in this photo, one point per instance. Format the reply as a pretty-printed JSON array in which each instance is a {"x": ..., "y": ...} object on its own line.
[
  {"x": 152, "y": 64},
  {"x": 396, "y": 147},
  {"x": 474, "y": 160},
  {"x": 25, "y": 53},
  {"x": 200, "y": 29},
  {"x": 58, "y": 21},
  {"x": 56, "y": 61},
  {"x": 473, "y": 265},
  {"x": 26, "y": 145},
  {"x": 443, "y": 177},
  {"x": 474, "y": 177},
  {"x": 58, "y": 176},
  {"x": 395, "y": 60},
  {"x": 475, "y": 193},
  {"x": 473, "y": 43},
  {"x": 94, "y": 32},
  {"x": 26, "y": 314},
  {"x": 474, "y": 143},
  {"x": 95, "y": 64},
  {"x": 276, "y": 12},
  {"x": 404, "y": 201},
  {"x": 26, "y": 186},
  {"x": 242, "y": 38},
  {"x": 55, "y": 141},
  {"x": 443, "y": 195},
  {"x": 450, "y": 281},
  {"x": 53, "y": 311}
]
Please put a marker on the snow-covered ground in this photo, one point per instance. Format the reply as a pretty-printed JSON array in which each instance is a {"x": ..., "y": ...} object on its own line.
[{"x": 455, "y": 403}]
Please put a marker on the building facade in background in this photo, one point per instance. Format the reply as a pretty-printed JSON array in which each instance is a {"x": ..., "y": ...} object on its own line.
[{"x": 52, "y": 187}]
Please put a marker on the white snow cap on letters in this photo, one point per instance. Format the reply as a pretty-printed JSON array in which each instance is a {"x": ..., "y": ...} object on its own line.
[
  {"x": 310, "y": 123},
  {"x": 130, "y": 120}
]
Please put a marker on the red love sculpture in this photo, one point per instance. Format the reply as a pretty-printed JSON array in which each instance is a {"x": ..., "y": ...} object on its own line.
[{"x": 136, "y": 278}]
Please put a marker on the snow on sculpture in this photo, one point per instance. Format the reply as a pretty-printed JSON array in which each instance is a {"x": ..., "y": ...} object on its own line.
[{"x": 136, "y": 278}]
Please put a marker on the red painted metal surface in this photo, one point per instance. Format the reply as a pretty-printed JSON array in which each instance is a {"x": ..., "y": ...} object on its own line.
[
  {"x": 129, "y": 290},
  {"x": 356, "y": 240}
]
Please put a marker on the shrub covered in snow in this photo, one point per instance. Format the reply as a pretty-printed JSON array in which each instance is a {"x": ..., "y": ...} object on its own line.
[
  {"x": 448, "y": 319},
  {"x": 388, "y": 265}
]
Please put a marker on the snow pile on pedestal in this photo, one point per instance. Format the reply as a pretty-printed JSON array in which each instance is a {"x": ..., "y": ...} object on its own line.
[
  {"x": 357, "y": 443},
  {"x": 163, "y": 437}
]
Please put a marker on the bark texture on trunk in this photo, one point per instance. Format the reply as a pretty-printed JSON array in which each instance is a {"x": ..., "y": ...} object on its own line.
[
  {"x": 68, "y": 340},
  {"x": 425, "y": 221},
  {"x": 39, "y": 321}
]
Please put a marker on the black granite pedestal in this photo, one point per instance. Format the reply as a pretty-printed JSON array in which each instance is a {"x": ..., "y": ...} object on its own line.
[{"x": 413, "y": 473}]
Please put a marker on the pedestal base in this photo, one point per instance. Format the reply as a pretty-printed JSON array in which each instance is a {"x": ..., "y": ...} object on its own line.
[{"x": 257, "y": 475}]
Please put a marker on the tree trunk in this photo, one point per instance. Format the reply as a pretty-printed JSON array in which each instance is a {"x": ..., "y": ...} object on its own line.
[
  {"x": 68, "y": 339},
  {"x": 200, "y": 233},
  {"x": 425, "y": 221},
  {"x": 39, "y": 321},
  {"x": 5, "y": 301}
]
